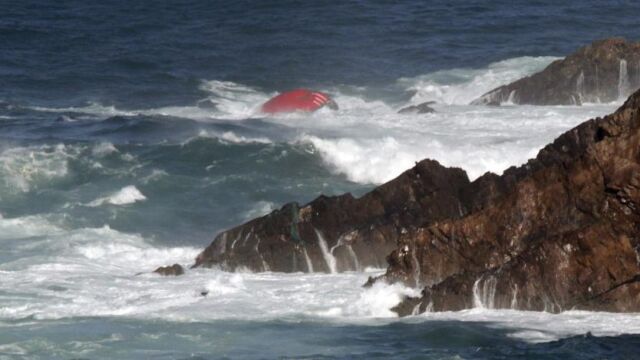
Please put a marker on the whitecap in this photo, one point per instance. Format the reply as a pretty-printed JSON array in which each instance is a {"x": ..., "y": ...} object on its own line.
[
  {"x": 232, "y": 137},
  {"x": 127, "y": 195},
  {"x": 104, "y": 149},
  {"x": 21, "y": 168}
]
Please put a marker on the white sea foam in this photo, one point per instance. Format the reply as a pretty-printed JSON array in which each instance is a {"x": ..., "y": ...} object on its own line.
[
  {"x": 369, "y": 142},
  {"x": 102, "y": 111},
  {"x": 21, "y": 168},
  {"x": 235, "y": 101},
  {"x": 542, "y": 327},
  {"x": 127, "y": 195},
  {"x": 95, "y": 272},
  {"x": 231, "y": 137},
  {"x": 104, "y": 149},
  {"x": 24, "y": 227},
  {"x": 92, "y": 108},
  {"x": 461, "y": 86},
  {"x": 228, "y": 100},
  {"x": 478, "y": 139},
  {"x": 378, "y": 300},
  {"x": 83, "y": 271}
]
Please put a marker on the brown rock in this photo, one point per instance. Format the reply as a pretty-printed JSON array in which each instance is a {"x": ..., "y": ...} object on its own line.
[
  {"x": 592, "y": 74},
  {"x": 564, "y": 235},
  {"x": 357, "y": 232},
  {"x": 173, "y": 270}
]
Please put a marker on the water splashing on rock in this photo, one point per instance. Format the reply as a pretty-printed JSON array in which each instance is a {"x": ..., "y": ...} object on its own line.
[
  {"x": 328, "y": 256},
  {"x": 484, "y": 292},
  {"x": 308, "y": 260},
  {"x": 580, "y": 87},
  {"x": 624, "y": 87},
  {"x": 354, "y": 257}
]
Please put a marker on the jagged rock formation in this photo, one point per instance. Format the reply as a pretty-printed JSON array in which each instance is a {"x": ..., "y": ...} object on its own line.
[
  {"x": 560, "y": 232},
  {"x": 566, "y": 235},
  {"x": 341, "y": 233},
  {"x": 604, "y": 71}
]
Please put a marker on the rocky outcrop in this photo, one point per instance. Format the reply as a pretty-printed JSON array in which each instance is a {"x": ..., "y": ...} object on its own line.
[
  {"x": 423, "y": 108},
  {"x": 341, "y": 233},
  {"x": 566, "y": 235},
  {"x": 604, "y": 71},
  {"x": 173, "y": 270}
]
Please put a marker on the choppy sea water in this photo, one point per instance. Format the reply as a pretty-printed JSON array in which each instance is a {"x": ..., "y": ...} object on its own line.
[{"x": 129, "y": 136}]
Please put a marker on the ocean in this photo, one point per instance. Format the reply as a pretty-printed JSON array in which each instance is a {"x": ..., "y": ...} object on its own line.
[{"x": 130, "y": 134}]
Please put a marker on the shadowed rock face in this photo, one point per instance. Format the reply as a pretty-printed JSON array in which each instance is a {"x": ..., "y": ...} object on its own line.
[
  {"x": 604, "y": 71},
  {"x": 566, "y": 235}
]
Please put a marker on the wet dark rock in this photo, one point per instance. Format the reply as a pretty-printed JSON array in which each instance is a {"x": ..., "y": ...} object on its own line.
[
  {"x": 423, "y": 108},
  {"x": 341, "y": 233},
  {"x": 562, "y": 232},
  {"x": 173, "y": 270},
  {"x": 605, "y": 71}
]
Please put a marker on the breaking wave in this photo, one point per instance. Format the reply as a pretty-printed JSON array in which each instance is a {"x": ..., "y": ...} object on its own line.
[{"x": 367, "y": 140}]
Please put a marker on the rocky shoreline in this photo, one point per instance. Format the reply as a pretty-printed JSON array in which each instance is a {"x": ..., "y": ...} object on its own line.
[
  {"x": 559, "y": 232},
  {"x": 565, "y": 236}
]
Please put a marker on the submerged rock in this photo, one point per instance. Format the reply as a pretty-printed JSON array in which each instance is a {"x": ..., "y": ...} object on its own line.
[
  {"x": 605, "y": 71},
  {"x": 173, "y": 270},
  {"x": 422, "y": 108}
]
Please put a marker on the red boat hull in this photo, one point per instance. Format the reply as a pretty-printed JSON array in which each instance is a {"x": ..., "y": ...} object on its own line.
[{"x": 297, "y": 100}]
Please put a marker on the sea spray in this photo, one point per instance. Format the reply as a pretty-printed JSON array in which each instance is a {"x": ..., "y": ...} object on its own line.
[
  {"x": 127, "y": 195},
  {"x": 329, "y": 259},
  {"x": 580, "y": 87},
  {"x": 484, "y": 292},
  {"x": 623, "y": 81},
  {"x": 307, "y": 260}
]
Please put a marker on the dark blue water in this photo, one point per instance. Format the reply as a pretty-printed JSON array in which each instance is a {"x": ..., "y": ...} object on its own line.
[
  {"x": 154, "y": 53},
  {"x": 100, "y": 100}
]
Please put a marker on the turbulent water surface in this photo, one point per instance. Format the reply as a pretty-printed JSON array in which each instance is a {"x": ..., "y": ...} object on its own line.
[{"x": 129, "y": 136}]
